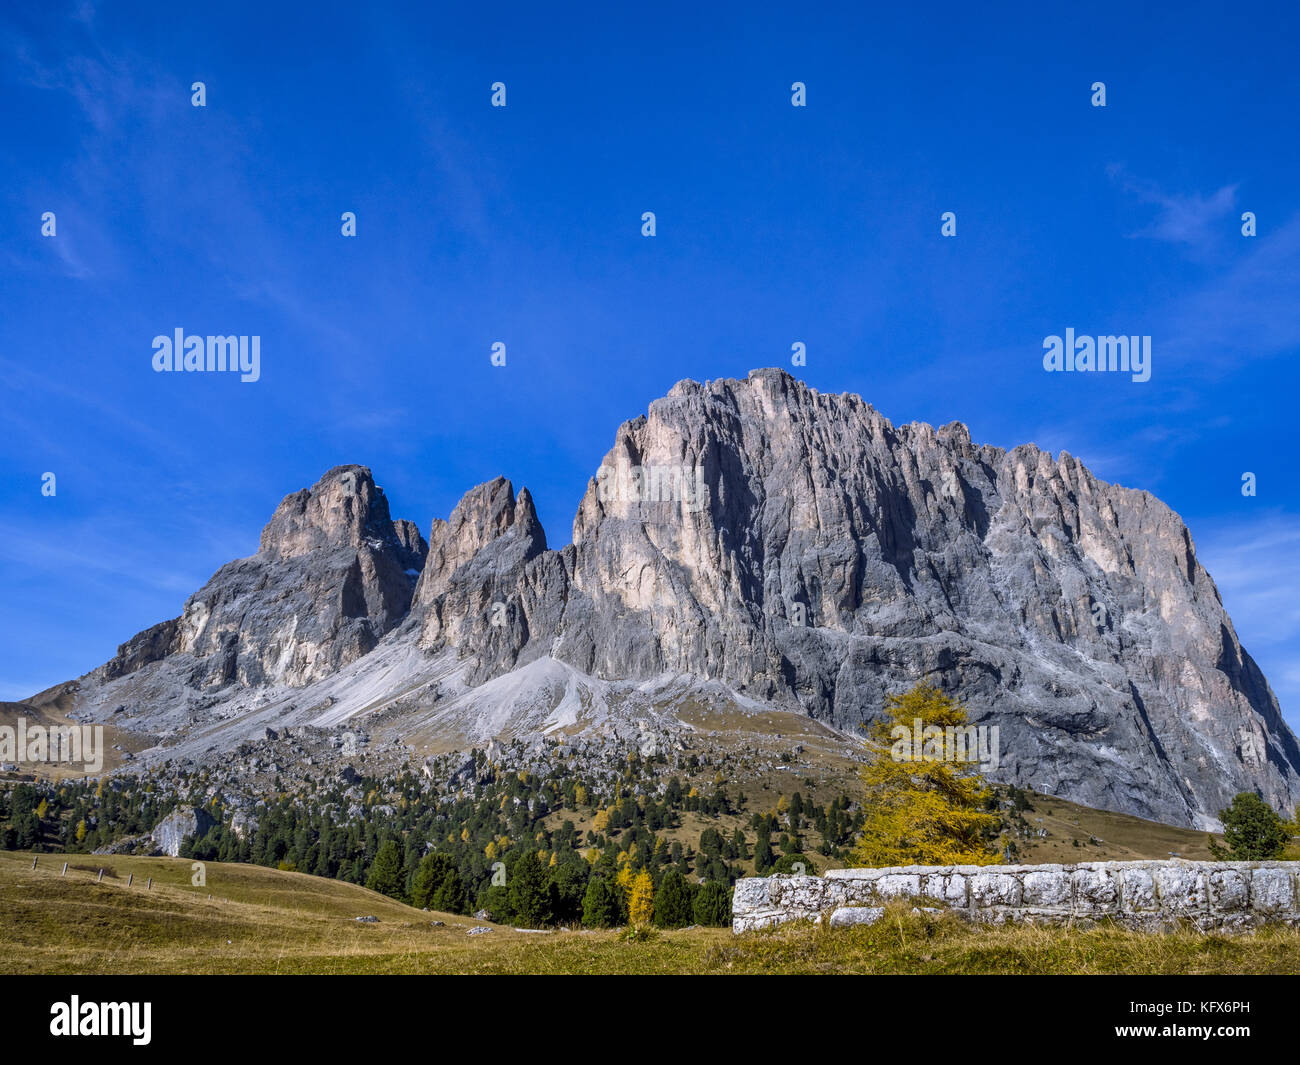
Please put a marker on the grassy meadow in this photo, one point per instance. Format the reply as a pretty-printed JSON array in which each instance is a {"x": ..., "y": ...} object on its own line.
[{"x": 261, "y": 920}]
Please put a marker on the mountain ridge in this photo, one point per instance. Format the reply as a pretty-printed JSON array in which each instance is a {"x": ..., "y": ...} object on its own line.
[{"x": 793, "y": 549}]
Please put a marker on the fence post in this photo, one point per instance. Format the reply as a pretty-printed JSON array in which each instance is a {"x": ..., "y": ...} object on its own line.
[
  {"x": 65, "y": 869},
  {"x": 149, "y": 886},
  {"x": 129, "y": 878},
  {"x": 100, "y": 877},
  {"x": 34, "y": 861}
]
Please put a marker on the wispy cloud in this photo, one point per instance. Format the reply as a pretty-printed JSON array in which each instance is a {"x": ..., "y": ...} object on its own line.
[
  {"x": 100, "y": 556},
  {"x": 112, "y": 93},
  {"x": 138, "y": 116},
  {"x": 40, "y": 387},
  {"x": 1191, "y": 219},
  {"x": 1248, "y": 312}
]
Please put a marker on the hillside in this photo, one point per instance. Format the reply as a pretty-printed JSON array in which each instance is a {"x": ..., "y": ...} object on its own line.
[{"x": 266, "y": 921}]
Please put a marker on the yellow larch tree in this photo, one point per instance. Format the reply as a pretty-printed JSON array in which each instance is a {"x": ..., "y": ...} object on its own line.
[
  {"x": 641, "y": 900},
  {"x": 922, "y": 808}
]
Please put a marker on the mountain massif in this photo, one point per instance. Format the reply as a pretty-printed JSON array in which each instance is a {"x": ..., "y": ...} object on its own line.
[{"x": 746, "y": 545}]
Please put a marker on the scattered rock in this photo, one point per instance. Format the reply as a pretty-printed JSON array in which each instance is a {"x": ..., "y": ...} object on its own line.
[{"x": 847, "y": 916}]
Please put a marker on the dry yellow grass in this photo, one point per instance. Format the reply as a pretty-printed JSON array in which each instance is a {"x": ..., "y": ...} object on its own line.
[{"x": 265, "y": 921}]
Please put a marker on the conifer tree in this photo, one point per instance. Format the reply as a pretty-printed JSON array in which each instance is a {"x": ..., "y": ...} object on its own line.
[
  {"x": 640, "y": 903},
  {"x": 385, "y": 874},
  {"x": 712, "y": 904},
  {"x": 921, "y": 809},
  {"x": 528, "y": 889},
  {"x": 763, "y": 848},
  {"x": 600, "y": 908},
  {"x": 673, "y": 905},
  {"x": 1252, "y": 831}
]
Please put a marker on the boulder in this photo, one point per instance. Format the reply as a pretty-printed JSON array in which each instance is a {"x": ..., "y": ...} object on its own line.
[{"x": 183, "y": 822}]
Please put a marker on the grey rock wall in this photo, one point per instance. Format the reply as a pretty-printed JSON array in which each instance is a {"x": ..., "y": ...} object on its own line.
[
  {"x": 808, "y": 555},
  {"x": 333, "y": 574},
  {"x": 1145, "y": 895},
  {"x": 834, "y": 558}
]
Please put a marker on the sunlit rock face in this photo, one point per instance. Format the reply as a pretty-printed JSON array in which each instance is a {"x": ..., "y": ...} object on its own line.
[
  {"x": 833, "y": 558},
  {"x": 798, "y": 549}
]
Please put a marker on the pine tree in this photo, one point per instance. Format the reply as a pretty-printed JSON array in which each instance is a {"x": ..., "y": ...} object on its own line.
[
  {"x": 1251, "y": 830},
  {"x": 385, "y": 874},
  {"x": 568, "y": 885},
  {"x": 739, "y": 846},
  {"x": 763, "y": 848},
  {"x": 529, "y": 891},
  {"x": 712, "y": 905},
  {"x": 673, "y": 902},
  {"x": 600, "y": 905},
  {"x": 787, "y": 862},
  {"x": 432, "y": 872},
  {"x": 450, "y": 896}
]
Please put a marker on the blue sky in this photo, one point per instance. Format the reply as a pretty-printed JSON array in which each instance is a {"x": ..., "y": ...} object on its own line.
[{"x": 522, "y": 224}]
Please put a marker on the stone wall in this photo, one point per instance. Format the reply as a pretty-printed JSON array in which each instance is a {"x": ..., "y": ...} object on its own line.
[{"x": 1152, "y": 895}]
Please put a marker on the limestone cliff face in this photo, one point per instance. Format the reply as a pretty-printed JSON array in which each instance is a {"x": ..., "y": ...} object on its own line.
[
  {"x": 832, "y": 558},
  {"x": 477, "y": 562},
  {"x": 333, "y": 574},
  {"x": 801, "y": 550}
]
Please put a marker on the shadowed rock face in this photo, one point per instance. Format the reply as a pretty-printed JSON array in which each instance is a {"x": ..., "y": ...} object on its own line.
[
  {"x": 805, "y": 552},
  {"x": 478, "y": 561},
  {"x": 837, "y": 558},
  {"x": 333, "y": 574}
]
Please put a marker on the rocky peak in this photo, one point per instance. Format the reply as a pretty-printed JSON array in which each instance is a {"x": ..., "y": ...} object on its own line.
[
  {"x": 803, "y": 550},
  {"x": 800, "y": 550},
  {"x": 484, "y": 515},
  {"x": 333, "y": 574},
  {"x": 476, "y": 560},
  {"x": 345, "y": 508},
  {"x": 413, "y": 549}
]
